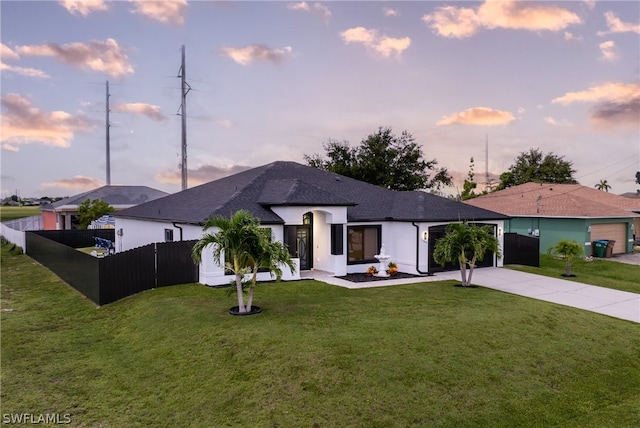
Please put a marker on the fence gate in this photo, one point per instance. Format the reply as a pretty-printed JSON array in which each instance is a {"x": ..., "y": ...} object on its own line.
[{"x": 521, "y": 250}]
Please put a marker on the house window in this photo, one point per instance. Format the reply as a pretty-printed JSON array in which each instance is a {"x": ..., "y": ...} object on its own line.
[
  {"x": 168, "y": 235},
  {"x": 363, "y": 243},
  {"x": 336, "y": 239}
]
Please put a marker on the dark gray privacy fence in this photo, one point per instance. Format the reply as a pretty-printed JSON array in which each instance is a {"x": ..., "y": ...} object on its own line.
[
  {"x": 105, "y": 280},
  {"x": 521, "y": 250}
]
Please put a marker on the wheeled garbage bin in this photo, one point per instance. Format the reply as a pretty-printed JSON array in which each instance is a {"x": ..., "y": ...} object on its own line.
[
  {"x": 609, "y": 251},
  {"x": 599, "y": 248}
]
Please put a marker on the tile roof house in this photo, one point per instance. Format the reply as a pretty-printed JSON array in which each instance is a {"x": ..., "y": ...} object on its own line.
[
  {"x": 566, "y": 211},
  {"x": 329, "y": 222},
  {"x": 62, "y": 214}
]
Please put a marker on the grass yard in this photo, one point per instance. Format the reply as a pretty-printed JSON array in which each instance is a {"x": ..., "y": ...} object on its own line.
[
  {"x": 601, "y": 272},
  {"x": 422, "y": 355},
  {"x": 12, "y": 213}
]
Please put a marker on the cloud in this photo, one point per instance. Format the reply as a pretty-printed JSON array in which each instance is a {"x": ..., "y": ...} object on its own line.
[
  {"x": 609, "y": 92},
  {"x": 24, "y": 124},
  {"x": 608, "y": 51},
  {"x": 248, "y": 54},
  {"x": 165, "y": 11},
  {"x": 107, "y": 57},
  {"x": 483, "y": 116},
  {"x": 151, "y": 111},
  {"x": 83, "y": 7},
  {"x": 7, "y": 53},
  {"x": 318, "y": 9},
  {"x": 381, "y": 44},
  {"x": 390, "y": 12},
  {"x": 461, "y": 22},
  {"x": 616, "y": 103},
  {"x": 615, "y": 25},
  {"x": 570, "y": 36},
  {"x": 552, "y": 121},
  {"x": 78, "y": 182},
  {"x": 29, "y": 72},
  {"x": 202, "y": 174}
]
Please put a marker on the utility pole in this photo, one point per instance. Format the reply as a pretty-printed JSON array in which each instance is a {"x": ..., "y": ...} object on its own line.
[
  {"x": 486, "y": 160},
  {"x": 182, "y": 74},
  {"x": 108, "y": 137}
]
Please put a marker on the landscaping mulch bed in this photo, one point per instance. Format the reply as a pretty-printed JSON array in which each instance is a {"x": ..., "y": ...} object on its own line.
[{"x": 363, "y": 277}]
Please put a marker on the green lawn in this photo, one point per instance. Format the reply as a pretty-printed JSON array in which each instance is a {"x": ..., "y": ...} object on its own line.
[
  {"x": 12, "y": 213},
  {"x": 422, "y": 355},
  {"x": 601, "y": 272}
]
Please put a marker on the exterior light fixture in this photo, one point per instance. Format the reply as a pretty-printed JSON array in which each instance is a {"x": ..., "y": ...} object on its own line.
[
  {"x": 589, "y": 228},
  {"x": 499, "y": 231},
  {"x": 425, "y": 235}
]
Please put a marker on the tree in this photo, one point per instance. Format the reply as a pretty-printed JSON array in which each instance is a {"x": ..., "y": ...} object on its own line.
[
  {"x": 465, "y": 243},
  {"x": 534, "y": 166},
  {"x": 383, "y": 159},
  {"x": 638, "y": 177},
  {"x": 243, "y": 247},
  {"x": 469, "y": 184},
  {"x": 603, "y": 185},
  {"x": 568, "y": 250},
  {"x": 90, "y": 210}
]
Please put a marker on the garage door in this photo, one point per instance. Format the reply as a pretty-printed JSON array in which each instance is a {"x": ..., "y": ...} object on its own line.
[{"x": 609, "y": 231}]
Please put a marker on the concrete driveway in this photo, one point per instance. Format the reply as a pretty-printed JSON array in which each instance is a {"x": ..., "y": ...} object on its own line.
[
  {"x": 615, "y": 303},
  {"x": 618, "y": 304}
]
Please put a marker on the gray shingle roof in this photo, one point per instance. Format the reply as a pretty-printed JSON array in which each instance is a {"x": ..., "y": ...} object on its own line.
[
  {"x": 113, "y": 195},
  {"x": 290, "y": 183}
]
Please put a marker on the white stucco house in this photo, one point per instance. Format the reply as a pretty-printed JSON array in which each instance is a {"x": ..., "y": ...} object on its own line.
[{"x": 329, "y": 222}]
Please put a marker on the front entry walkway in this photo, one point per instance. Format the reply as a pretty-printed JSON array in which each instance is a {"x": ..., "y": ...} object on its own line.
[{"x": 618, "y": 304}]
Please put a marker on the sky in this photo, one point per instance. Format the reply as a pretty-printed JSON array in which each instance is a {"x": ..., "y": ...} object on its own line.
[{"x": 275, "y": 80}]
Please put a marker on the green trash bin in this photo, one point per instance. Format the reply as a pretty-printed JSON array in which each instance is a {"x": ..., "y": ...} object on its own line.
[{"x": 599, "y": 248}]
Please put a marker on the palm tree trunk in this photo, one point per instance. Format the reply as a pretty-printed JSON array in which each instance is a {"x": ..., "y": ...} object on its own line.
[
  {"x": 253, "y": 283},
  {"x": 568, "y": 268},
  {"x": 241, "y": 307},
  {"x": 471, "y": 266},
  {"x": 463, "y": 273}
]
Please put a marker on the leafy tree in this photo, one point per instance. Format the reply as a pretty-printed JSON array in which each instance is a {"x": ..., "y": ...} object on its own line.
[
  {"x": 568, "y": 250},
  {"x": 534, "y": 166},
  {"x": 469, "y": 184},
  {"x": 465, "y": 243},
  {"x": 638, "y": 177},
  {"x": 90, "y": 210},
  {"x": 246, "y": 247},
  {"x": 383, "y": 159},
  {"x": 603, "y": 185}
]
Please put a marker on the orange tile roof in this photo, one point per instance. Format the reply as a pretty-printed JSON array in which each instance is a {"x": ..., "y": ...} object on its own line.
[{"x": 557, "y": 200}]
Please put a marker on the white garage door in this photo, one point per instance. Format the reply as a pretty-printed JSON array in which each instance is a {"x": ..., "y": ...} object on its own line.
[{"x": 611, "y": 231}]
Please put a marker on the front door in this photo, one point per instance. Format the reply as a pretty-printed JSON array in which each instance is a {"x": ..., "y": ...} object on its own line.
[{"x": 303, "y": 247}]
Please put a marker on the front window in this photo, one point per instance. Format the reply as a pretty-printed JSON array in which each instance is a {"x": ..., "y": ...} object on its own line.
[{"x": 363, "y": 243}]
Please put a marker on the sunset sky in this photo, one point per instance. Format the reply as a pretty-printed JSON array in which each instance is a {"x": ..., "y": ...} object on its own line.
[{"x": 274, "y": 80}]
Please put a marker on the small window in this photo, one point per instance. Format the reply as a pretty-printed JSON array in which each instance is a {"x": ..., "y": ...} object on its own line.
[
  {"x": 168, "y": 235},
  {"x": 336, "y": 239},
  {"x": 363, "y": 243}
]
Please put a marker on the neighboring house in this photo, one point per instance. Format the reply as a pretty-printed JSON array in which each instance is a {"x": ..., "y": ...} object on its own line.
[
  {"x": 566, "y": 211},
  {"x": 62, "y": 214},
  {"x": 329, "y": 222}
]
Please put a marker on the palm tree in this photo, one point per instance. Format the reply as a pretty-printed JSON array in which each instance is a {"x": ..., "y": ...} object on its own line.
[
  {"x": 568, "y": 250},
  {"x": 243, "y": 247},
  {"x": 603, "y": 185},
  {"x": 465, "y": 243}
]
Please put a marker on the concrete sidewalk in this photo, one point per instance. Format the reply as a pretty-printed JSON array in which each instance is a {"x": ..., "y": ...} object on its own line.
[{"x": 618, "y": 304}]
